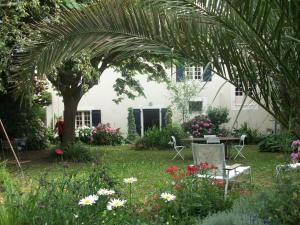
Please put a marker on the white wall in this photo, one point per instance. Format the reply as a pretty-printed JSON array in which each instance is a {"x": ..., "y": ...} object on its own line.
[{"x": 157, "y": 95}]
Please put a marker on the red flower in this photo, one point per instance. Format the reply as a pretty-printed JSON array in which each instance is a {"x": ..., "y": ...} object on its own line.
[
  {"x": 58, "y": 151},
  {"x": 192, "y": 169},
  {"x": 171, "y": 169},
  {"x": 204, "y": 165}
]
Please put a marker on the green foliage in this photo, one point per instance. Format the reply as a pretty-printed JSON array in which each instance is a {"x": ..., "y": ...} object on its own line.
[
  {"x": 277, "y": 206},
  {"x": 253, "y": 135},
  {"x": 75, "y": 152},
  {"x": 218, "y": 116},
  {"x": 195, "y": 198},
  {"x": 24, "y": 122},
  {"x": 156, "y": 138},
  {"x": 276, "y": 142},
  {"x": 84, "y": 134},
  {"x": 232, "y": 218},
  {"x": 55, "y": 201},
  {"x": 9, "y": 193},
  {"x": 132, "y": 134},
  {"x": 168, "y": 116},
  {"x": 103, "y": 134}
]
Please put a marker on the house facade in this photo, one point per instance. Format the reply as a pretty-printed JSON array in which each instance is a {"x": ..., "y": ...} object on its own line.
[{"x": 97, "y": 105}]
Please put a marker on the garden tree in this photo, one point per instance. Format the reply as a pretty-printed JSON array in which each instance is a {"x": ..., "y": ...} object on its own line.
[
  {"x": 21, "y": 120},
  {"x": 132, "y": 134},
  {"x": 73, "y": 78},
  {"x": 181, "y": 94},
  {"x": 252, "y": 43}
]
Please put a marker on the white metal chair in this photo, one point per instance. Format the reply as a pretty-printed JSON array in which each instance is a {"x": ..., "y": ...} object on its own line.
[
  {"x": 240, "y": 147},
  {"x": 215, "y": 154},
  {"x": 176, "y": 147}
]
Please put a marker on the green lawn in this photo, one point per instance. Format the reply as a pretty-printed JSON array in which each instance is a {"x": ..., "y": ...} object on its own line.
[{"x": 148, "y": 166}]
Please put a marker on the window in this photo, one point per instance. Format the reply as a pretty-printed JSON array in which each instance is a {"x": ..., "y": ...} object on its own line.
[
  {"x": 239, "y": 87},
  {"x": 88, "y": 118},
  {"x": 193, "y": 73},
  {"x": 83, "y": 118},
  {"x": 195, "y": 106}
]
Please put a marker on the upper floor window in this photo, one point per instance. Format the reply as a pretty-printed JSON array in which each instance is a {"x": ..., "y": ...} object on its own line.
[
  {"x": 239, "y": 89},
  {"x": 193, "y": 73}
]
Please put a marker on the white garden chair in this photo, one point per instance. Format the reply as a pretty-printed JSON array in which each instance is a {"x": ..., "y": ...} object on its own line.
[
  {"x": 176, "y": 147},
  {"x": 215, "y": 154},
  {"x": 240, "y": 147}
]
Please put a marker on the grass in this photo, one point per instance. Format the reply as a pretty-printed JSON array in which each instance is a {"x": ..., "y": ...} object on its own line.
[{"x": 148, "y": 166}]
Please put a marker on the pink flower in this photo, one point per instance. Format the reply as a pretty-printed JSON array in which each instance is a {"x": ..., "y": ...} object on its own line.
[{"x": 296, "y": 143}]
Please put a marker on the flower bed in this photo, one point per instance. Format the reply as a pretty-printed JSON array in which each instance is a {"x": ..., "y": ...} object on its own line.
[{"x": 104, "y": 134}]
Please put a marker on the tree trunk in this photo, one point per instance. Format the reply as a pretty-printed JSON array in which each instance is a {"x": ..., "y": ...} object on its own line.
[{"x": 70, "y": 109}]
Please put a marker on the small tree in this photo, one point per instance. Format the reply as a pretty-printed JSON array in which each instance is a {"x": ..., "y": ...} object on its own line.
[
  {"x": 181, "y": 94},
  {"x": 132, "y": 134},
  {"x": 168, "y": 116}
]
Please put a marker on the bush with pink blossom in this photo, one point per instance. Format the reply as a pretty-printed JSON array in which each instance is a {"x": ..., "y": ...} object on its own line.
[
  {"x": 104, "y": 134},
  {"x": 199, "y": 126}
]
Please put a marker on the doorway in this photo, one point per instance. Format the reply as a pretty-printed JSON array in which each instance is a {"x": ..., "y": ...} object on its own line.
[{"x": 151, "y": 118}]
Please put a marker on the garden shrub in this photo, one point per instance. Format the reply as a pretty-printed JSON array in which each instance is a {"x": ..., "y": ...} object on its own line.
[
  {"x": 21, "y": 121},
  {"x": 199, "y": 126},
  {"x": 156, "y": 138},
  {"x": 76, "y": 152},
  {"x": 166, "y": 133},
  {"x": 253, "y": 135},
  {"x": 168, "y": 116},
  {"x": 103, "y": 134},
  {"x": 84, "y": 134},
  {"x": 38, "y": 137},
  {"x": 276, "y": 142},
  {"x": 218, "y": 116},
  {"x": 278, "y": 205}
]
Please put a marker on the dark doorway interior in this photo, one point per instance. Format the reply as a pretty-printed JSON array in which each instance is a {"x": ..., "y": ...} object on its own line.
[{"x": 151, "y": 118}]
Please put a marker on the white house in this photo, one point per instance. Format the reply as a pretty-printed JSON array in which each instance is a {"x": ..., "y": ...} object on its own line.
[{"x": 97, "y": 105}]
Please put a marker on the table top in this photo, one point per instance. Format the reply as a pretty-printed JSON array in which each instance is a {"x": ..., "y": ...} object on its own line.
[{"x": 221, "y": 139}]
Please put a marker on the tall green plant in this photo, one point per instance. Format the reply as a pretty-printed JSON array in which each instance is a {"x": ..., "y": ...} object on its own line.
[{"x": 132, "y": 134}]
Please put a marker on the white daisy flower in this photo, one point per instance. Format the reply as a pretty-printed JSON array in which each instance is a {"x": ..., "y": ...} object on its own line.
[
  {"x": 89, "y": 200},
  {"x": 115, "y": 203},
  {"x": 130, "y": 180},
  {"x": 167, "y": 196},
  {"x": 104, "y": 191}
]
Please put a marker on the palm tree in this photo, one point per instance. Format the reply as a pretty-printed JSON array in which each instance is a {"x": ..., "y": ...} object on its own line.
[{"x": 255, "y": 42}]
